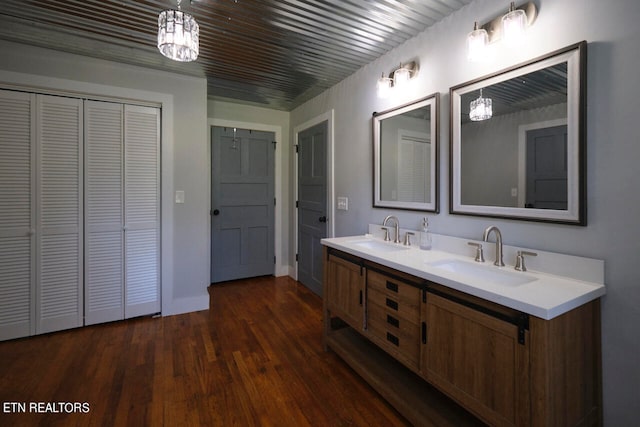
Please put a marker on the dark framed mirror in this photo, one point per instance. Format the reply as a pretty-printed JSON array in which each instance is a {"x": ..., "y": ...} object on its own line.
[
  {"x": 405, "y": 156},
  {"x": 518, "y": 141}
]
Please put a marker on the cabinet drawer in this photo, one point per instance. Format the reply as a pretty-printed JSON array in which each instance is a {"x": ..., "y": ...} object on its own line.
[
  {"x": 395, "y": 305},
  {"x": 392, "y": 286},
  {"x": 402, "y": 341}
]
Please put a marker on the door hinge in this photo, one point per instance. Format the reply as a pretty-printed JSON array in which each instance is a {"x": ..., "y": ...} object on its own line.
[
  {"x": 297, "y": 257},
  {"x": 274, "y": 144},
  {"x": 274, "y": 201},
  {"x": 274, "y": 259},
  {"x": 424, "y": 333},
  {"x": 297, "y": 148},
  {"x": 297, "y": 203}
]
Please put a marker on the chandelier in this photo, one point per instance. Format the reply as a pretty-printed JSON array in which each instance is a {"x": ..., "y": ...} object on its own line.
[
  {"x": 480, "y": 109},
  {"x": 178, "y": 35}
]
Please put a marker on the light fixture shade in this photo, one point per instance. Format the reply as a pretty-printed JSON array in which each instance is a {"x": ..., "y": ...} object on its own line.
[
  {"x": 514, "y": 24},
  {"x": 480, "y": 109},
  {"x": 178, "y": 36},
  {"x": 477, "y": 41},
  {"x": 383, "y": 87},
  {"x": 401, "y": 77}
]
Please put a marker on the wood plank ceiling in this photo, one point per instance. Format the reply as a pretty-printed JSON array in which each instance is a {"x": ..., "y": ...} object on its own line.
[{"x": 273, "y": 53}]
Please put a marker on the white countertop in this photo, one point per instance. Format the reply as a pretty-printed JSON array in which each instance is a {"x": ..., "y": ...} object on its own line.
[{"x": 543, "y": 295}]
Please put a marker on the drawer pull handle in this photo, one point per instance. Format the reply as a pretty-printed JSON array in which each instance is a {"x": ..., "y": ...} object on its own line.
[
  {"x": 393, "y": 339},
  {"x": 392, "y": 304},
  {"x": 393, "y": 321},
  {"x": 392, "y": 286}
]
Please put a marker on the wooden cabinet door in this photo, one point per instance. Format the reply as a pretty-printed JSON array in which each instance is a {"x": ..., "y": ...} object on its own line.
[
  {"x": 345, "y": 291},
  {"x": 477, "y": 360}
]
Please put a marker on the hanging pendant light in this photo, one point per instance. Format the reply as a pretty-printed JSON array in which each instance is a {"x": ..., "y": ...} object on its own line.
[
  {"x": 178, "y": 35},
  {"x": 480, "y": 109}
]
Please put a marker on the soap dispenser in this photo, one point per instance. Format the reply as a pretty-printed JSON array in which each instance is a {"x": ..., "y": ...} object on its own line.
[{"x": 425, "y": 235}]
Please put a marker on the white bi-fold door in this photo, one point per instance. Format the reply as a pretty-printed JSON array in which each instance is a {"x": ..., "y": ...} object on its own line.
[
  {"x": 41, "y": 247},
  {"x": 79, "y": 212},
  {"x": 122, "y": 221}
]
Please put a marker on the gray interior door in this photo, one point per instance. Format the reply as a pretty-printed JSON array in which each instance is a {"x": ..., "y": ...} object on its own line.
[
  {"x": 242, "y": 203},
  {"x": 547, "y": 168},
  {"x": 312, "y": 204}
]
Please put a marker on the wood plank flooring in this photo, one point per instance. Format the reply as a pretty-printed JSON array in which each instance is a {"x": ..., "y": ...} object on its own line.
[{"x": 254, "y": 359}]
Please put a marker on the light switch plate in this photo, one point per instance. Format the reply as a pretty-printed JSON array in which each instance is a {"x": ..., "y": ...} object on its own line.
[
  {"x": 343, "y": 204},
  {"x": 179, "y": 196}
]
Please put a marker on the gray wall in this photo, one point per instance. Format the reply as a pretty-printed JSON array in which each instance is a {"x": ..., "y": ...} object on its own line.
[{"x": 612, "y": 234}]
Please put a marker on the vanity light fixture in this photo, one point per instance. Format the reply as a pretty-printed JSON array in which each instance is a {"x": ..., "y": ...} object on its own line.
[
  {"x": 477, "y": 41},
  {"x": 509, "y": 27},
  {"x": 384, "y": 86},
  {"x": 480, "y": 109},
  {"x": 398, "y": 78},
  {"x": 401, "y": 76},
  {"x": 178, "y": 35},
  {"x": 514, "y": 24}
]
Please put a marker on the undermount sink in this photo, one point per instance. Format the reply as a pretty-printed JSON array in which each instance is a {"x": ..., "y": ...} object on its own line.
[
  {"x": 487, "y": 273},
  {"x": 377, "y": 245}
]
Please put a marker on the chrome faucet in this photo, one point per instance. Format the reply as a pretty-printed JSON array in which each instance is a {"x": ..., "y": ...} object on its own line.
[
  {"x": 499, "y": 262},
  {"x": 397, "y": 233}
]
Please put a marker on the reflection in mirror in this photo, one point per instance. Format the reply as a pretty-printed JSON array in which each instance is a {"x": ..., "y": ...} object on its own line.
[
  {"x": 524, "y": 158},
  {"x": 405, "y": 156}
]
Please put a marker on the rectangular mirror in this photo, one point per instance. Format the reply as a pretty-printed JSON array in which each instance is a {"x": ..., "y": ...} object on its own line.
[
  {"x": 518, "y": 141},
  {"x": 405, "y": 156}
]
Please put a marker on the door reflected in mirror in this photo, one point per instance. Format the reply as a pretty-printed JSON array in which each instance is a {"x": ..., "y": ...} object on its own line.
[
  {"x": 405, "y": 156},
  {"x": 525, "y": 158}
]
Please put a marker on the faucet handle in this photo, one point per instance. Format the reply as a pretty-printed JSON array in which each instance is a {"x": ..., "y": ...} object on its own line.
[
  {"x": 520, "y": 260},
  {"x": 479, "y": 252},
  {"x": 407, "y": 237},
  {"x": 386, "y": 233}
]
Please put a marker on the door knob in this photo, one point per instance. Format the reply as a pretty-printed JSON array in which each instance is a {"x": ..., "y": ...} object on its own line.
[
  {"x": 322, "y": 219},
  {"x": 216, "y": 212}
]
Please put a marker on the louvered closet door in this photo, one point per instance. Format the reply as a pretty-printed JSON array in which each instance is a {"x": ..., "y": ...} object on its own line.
[
  {"x": 17, "y": 219},
  {"x": 59, "y": 295},
  {"x": 142, "y": 214},
  {"x": 104, "y": 243}
]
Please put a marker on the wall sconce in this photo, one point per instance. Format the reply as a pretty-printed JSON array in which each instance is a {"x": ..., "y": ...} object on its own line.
[
  {"x": 477, "y": 41},
  {"x": 384, "y": 86},
  {"x": 480, "y": 109},
  {"x": 509, "y": 27},
  {"x": 397, "y": 79},
  {"x": 513, "y": 25}
]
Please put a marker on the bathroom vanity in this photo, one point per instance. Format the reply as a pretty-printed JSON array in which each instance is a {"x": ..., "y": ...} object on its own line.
[{"x": 512, "y": 348}]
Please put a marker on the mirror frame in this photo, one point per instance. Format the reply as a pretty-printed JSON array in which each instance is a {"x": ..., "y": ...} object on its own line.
[
  {"x": 433, "y": 101},
  {"x": 575, "y": 56}
]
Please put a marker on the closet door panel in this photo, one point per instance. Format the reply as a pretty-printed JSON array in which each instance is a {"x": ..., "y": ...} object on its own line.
[
  {"x": 142, "y": 215},
  {"x": 104, "y": 243},
  {"x": 17, "y": 221},
  {"x": 59, "y": 296}
]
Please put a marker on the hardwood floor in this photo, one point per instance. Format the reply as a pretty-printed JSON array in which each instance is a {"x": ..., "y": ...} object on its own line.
[{"x": 254, "y": 359}]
